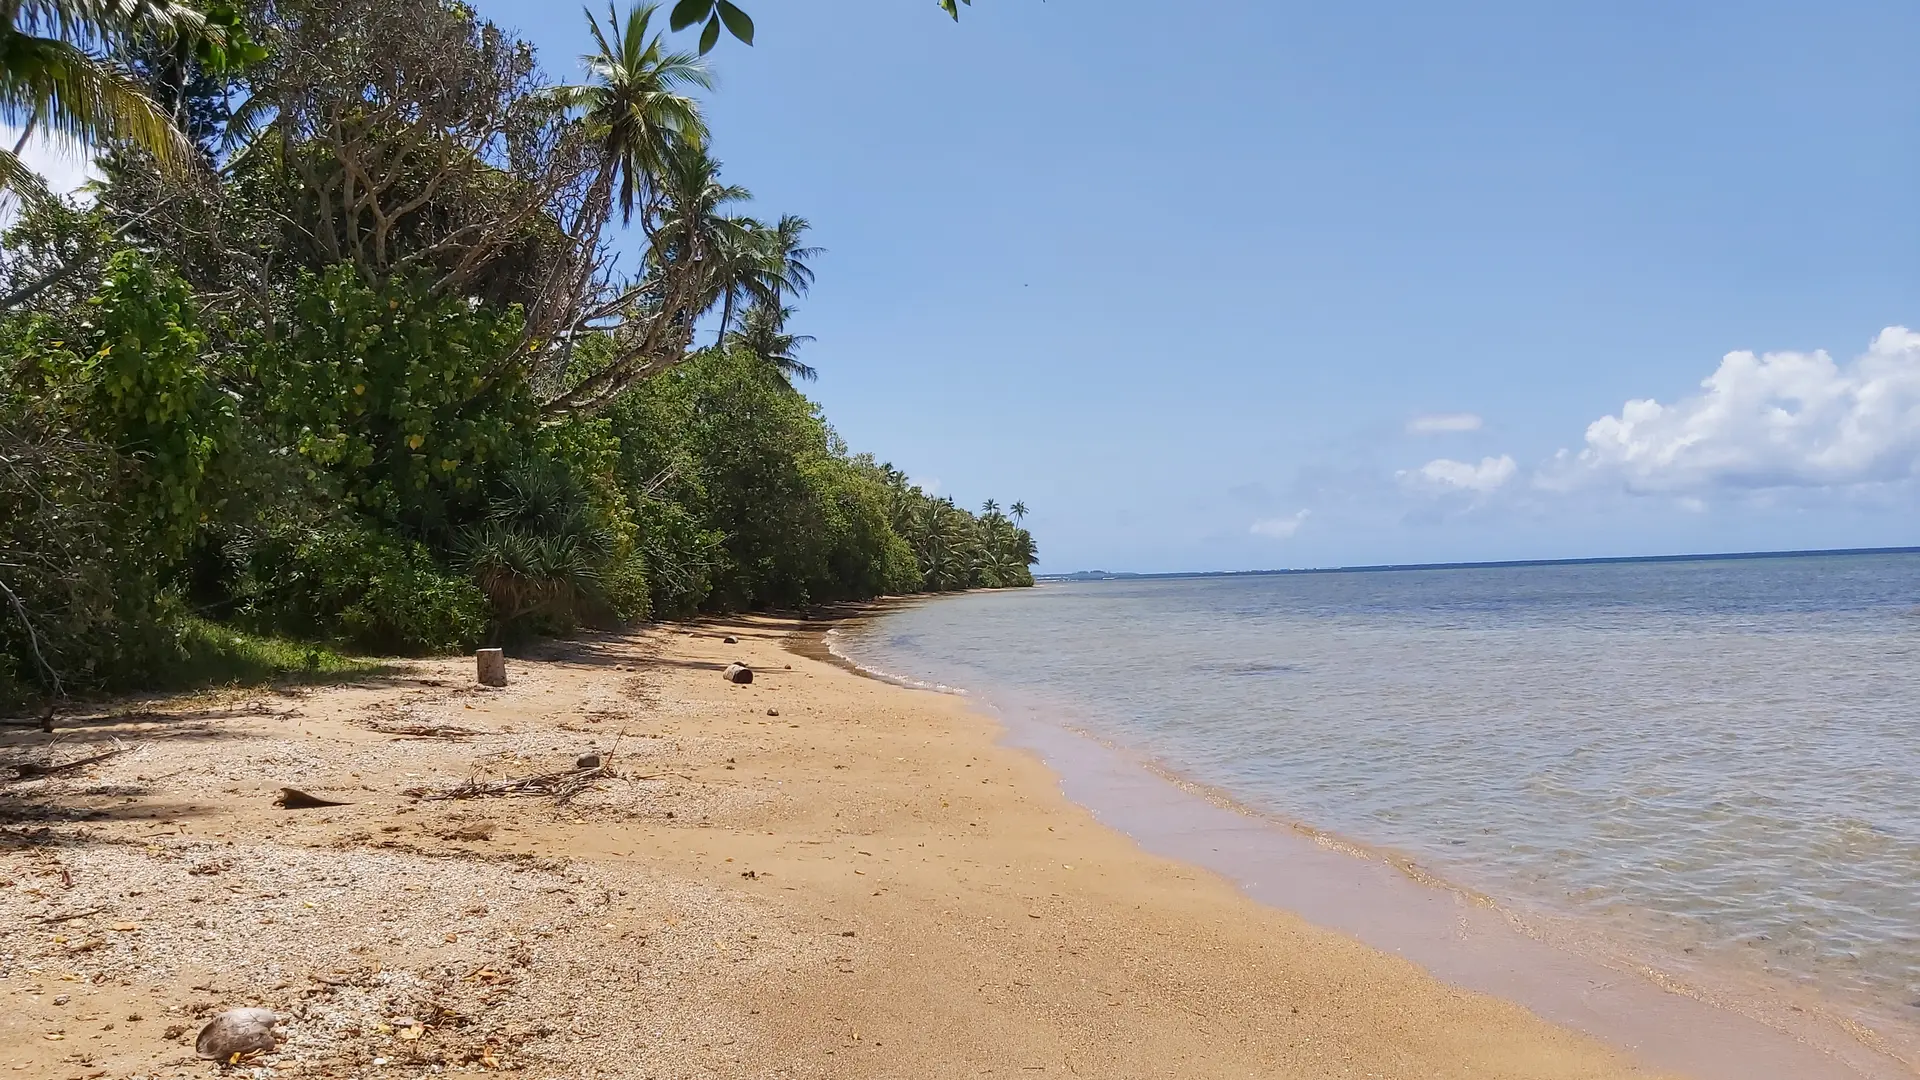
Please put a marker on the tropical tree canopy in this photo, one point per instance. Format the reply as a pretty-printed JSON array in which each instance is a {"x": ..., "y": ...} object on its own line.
[{"x": 350, "y": 346}]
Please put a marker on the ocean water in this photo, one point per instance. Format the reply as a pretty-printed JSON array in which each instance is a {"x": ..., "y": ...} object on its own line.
[{"x": 1712, "y": 767}]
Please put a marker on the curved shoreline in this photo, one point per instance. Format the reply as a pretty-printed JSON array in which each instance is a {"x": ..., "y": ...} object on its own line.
[{"x": 1388, "y": 900}]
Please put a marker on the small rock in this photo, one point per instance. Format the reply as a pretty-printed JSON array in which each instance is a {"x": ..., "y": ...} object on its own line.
[
  {"x": 731, "y": 640},
  {"x": 237, "y": 1031},
  {"x": 738, "y": 673},
  {"x": 773, "y": 712},
  {"x": 587, "y": 761},
  {"x": 62, "y": 999}
]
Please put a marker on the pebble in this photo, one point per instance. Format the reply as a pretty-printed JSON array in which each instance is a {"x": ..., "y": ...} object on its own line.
[{"x": 773, "y": 712}]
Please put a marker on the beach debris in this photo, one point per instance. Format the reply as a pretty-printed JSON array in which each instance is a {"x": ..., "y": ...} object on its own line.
[
  {"x": 237, "y": 1031},
  {"x": 27, "y": 770},
  {"x": 738, "y": 673},
  {"x": 730, "y": 640},
  {"x": 469, "y": 831},
  {"x": 292, "y": 798},
  {"x": 490, "y": 667},
  {"x": 562, "y": 785},
  {"x": 587, "y": 761},
  {"x": 773, "y": 712},
  {"x": 423, "y": 731}
]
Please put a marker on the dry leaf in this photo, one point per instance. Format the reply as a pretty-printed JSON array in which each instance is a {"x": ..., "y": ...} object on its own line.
[
  {"x": 412, "y": 1033},
  {"x": 125, "y": 926}
]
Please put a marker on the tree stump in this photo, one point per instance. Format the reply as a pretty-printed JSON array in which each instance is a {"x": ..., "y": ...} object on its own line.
[{"x": 492, "y": 667}]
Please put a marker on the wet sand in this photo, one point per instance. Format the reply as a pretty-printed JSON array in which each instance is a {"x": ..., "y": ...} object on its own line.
[{"x": 867, "y": 884}]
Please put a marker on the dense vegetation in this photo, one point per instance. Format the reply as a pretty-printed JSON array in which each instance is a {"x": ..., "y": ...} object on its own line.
[{"x": 344, "y": 350}]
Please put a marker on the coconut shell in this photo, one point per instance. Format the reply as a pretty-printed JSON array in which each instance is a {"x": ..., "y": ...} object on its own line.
[{"x": 237, "y": 1031}]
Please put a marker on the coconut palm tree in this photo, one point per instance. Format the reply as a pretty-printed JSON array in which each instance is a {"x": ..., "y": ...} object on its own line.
[
  {"x": 763, "y": 333},
  {"x": 788, "y": 271},
  {"x": 740, "y": 270},
  {"x": 56, "y": 76},
  {"x": 693, "y": 233},
  {"x": 635, "y": 103},
  {"x": 1018, "y": 510},
  {"x": 763, "y": 265}
]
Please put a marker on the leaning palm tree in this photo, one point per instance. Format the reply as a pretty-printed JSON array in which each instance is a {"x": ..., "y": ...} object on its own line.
[
  {"x": 763, "y": 333},
  {"x": 635, "y": 103},
  {"x": 56, "y": 75}
]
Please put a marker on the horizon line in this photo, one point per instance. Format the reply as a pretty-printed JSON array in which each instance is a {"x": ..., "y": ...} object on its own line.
[{"x": 1493, "y": 564}]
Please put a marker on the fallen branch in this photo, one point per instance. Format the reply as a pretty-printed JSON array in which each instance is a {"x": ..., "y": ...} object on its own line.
[{"x": 27, "y": 770}]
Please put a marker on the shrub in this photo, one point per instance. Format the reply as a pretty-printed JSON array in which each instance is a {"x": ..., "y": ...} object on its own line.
[{"x": 349, "y": 582}]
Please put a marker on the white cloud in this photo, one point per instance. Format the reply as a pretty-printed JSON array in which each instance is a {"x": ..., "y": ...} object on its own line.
[
  {"x": 929, "y": 486},
  {"x": 1280, "y": 528},
  {"x": 1779, "y": 420},
  {"x": 1447, "y": 474},
  {"x": 1443, "y": 423}
]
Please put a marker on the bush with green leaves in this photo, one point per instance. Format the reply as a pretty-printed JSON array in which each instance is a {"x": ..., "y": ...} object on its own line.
[
  {"x": 351, "y": 583},
  {"x": 402, "y": 400}
]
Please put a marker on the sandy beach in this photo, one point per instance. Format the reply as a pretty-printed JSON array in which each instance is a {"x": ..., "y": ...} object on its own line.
[{"x": 815, "y": 875}]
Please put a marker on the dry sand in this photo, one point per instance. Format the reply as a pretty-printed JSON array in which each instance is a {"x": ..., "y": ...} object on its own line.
[{"x": 864, "y": 885}]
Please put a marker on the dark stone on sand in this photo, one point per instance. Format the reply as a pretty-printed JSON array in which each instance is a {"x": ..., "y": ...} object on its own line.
[{"x": 738, "y": 673}]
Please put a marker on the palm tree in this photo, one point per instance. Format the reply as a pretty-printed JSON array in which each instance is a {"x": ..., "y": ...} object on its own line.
[
  {"x": 739, "y": 270},
  {"x": 989, "y": 508},
  {"x": 763, "y": 266},
  {"x": 635, "y": 105},
  {"x": 693, "y": 232},
  {"x": 788, "y": 271},
  {"x": 763, "y": 333},
  {"x": 1018, "y": 510},
  {"x": 55, "y": 76}
]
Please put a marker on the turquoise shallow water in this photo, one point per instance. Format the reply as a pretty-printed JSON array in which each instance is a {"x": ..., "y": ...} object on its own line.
[{"x": 1714, "y": 765}]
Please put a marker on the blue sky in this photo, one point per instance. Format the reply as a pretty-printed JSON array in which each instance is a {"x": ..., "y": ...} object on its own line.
[{"x": 1256, "y": 284}]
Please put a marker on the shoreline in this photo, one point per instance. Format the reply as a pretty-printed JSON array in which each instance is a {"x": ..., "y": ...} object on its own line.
[
  {"x": 1540, "y": 960},
  {"x": 814, "y": 875}
]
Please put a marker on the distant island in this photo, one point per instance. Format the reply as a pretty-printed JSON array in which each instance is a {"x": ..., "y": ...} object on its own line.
[{"x": 1116, "y": 575}]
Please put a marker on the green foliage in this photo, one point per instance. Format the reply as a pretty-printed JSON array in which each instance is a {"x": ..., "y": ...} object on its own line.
[
  {"x": 403, "y": 400},
  {"x": 373, "y": 384},
  {"x": 375, "y": 592},
  {"x": 715, "y": 13},
  {"x": 151, "y": 397}
]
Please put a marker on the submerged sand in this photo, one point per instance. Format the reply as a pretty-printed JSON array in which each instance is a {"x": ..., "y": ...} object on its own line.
[{"x": 815, "y": 875}]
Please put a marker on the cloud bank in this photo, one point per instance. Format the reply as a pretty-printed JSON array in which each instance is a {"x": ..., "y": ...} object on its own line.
[
  {"x": 1443, "y": 423},
  {"x": 1446, "y": 474},
  {"x": 1778, "y": 420}
]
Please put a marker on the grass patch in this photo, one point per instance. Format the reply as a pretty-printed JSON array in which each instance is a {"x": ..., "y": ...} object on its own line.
[{"x": 216, "y": 655}]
